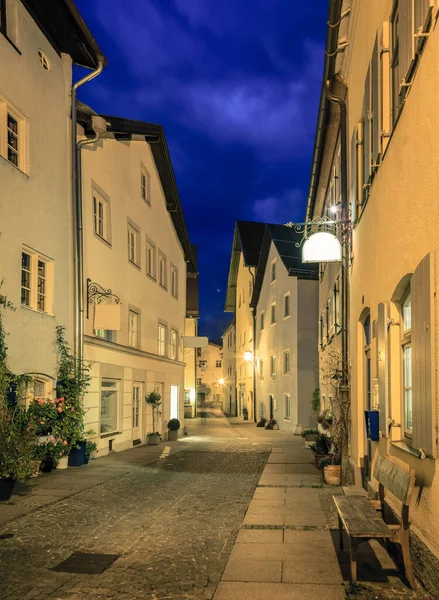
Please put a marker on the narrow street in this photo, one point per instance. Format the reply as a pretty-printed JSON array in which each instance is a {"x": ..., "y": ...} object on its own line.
[{"x": 181, "y": 520}]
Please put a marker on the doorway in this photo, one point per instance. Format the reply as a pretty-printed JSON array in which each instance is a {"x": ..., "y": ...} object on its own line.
[
  {"x": 271, "y": 401},
  {"x": 174, "y": 414}
]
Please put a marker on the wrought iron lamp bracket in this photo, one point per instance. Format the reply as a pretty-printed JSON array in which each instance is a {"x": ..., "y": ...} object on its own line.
[
  {"x": 338, "y": 227},
  {"x": 97, "y": 293}
]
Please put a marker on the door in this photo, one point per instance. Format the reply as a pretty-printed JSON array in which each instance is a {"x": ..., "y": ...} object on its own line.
[
  {"x": 160, "y": 388},
  {"x": 175, "y": 409},
  {"x": 137, "y": 411},
  {"x": 271, "y": 399}
]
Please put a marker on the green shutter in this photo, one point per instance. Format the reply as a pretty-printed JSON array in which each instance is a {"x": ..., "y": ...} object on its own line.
[
  {"x": 423, "y": 357},
  {"x": 382, "y": 367}
]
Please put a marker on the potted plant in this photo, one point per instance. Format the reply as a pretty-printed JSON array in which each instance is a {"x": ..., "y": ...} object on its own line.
[
  {"x": 90, "y": 448},
  {"x": 325, "y": 419},
  {"x": 272, "y": 424},
  {"x": 262, "y": 422},
  {"x": 245, "y": 413},
  {"x": 154, "y": 400},
  {"x": 173, "y": 427},
  {"x": 49, "y": 451},
  {"x": 17, "y": 448},
  {"x": 310, "y": 434},
  {"x": 331, "y": 470},
  {"x": 321, "y": 448}
]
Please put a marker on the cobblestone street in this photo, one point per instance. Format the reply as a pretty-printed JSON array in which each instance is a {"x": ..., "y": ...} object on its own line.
[{"x": 173, "y": 523}]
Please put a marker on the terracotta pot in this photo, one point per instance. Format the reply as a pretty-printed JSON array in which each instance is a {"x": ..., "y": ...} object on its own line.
[
  {"x": 172, "y": 435},
  {"x": 153, "y": 440},
  {"x": 332, "y": 474}
]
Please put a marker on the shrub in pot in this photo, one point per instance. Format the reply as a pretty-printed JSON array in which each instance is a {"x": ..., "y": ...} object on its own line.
[
  {"x": 310, "y": 434},
  {"x": 153, "y": 438},
  {"x": 321, "y": 448},
  {"x": 90, "y": 447},
  {"x": 173, "y": 427},
  {"x": 262, "y": 422},
  {"x": 331, "y": 470},
  {"x": 245, "y": 413}
]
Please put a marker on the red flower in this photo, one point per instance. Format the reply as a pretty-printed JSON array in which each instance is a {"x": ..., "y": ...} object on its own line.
[{"x": 59, "y": 409}]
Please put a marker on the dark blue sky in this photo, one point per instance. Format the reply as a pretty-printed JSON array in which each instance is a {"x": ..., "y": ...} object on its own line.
[{"x": 236, "y": 86}]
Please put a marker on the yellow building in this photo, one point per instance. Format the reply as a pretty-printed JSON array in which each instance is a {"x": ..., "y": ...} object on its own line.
[
  {"x": 382, "y": 59},
  {"x": 191, "y": 330},
  {"x": 210, "y": 382},
  {"x": 229, "y": 369}
]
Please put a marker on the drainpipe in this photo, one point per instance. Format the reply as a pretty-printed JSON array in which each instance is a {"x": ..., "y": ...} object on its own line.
[
  {"x": 254, "y": 350},
  {"x": 78, "y": 258}
]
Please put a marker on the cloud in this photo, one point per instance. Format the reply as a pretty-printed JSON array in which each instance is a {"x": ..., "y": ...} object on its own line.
[{"x": 280, "y": 209}]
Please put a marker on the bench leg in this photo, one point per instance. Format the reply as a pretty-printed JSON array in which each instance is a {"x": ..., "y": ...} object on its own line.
[
  {"x": 353, "y": 551},
  {"x": 405, "y": 547},
  {"x": 340, "y": 533}
]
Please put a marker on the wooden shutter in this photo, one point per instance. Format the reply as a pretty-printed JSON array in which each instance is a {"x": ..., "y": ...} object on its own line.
[
  {"x": 406, "y": 38},
  {"x": 423, "y": 357},
  {"x": 422, "y": 13},
  {"x": 385, "y": 86},
  {"x": 375, "y": 105},
  {"x": 382, "y": 367},
  {"x": 366, "y": 136},
  {"x": 359, "y": 164},
  {"x": 353, "y": 175}
]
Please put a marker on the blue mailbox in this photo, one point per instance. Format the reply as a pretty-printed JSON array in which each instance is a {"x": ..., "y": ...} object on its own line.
[{"x": 372, "y": 430}]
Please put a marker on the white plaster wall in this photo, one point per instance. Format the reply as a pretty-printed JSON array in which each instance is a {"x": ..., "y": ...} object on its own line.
[
  {"x": 229, "y": 362},
  {"x": 212, "y": 374},
  {"x": 244, "y": 323},
  {"x": 189, "y": 357},
  {"x": 35, "y": 206}
]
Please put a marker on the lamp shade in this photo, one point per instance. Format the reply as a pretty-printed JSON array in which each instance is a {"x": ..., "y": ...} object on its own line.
[{"x": 321, "y": 247}]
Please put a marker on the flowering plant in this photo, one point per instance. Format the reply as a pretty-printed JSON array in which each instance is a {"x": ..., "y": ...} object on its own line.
[
  {"x": 58, "y": 417},
  {"x": 52, "y": 450}
]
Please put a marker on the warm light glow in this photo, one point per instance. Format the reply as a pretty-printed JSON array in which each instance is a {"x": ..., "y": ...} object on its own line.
[
  {"x": 334, "y": 209},
  {"x": 248, "y": 356},
  {"x": 221, "y": 381},
  {"x": 192, "y": 395},
  {"x": 321, "y": 247}
]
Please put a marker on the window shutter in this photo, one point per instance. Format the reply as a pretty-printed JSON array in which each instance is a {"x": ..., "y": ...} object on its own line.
[
  {"x": 382, "y": 367},
  {"x": 422, "y": 13},
  {"x": 423, "y": 352},
  {"x": 353, "y": 175},
  {"x": 359, "y": 164},
  {"x": 406, "y": 39},
  {"x": 366, "y": 135},
  {"x": 375, "y": 102},
  {"x": 385, "y": 85}
]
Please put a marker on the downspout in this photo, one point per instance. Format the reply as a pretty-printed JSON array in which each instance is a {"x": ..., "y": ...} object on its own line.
[
  {"x": 254, "y": 350},
  {"x": 78, "y": 251}
]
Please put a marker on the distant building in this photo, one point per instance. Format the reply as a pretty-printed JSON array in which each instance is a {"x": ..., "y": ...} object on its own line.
[
  {"x": 191, "y": 329},
  {"x": 285, "y": 299},
  {"x": 210, "y": 385},
  {"x": 229, "y": 370}
]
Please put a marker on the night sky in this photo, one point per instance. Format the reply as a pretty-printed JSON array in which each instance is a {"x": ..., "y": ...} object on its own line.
[{"x": 236, "y": 85}]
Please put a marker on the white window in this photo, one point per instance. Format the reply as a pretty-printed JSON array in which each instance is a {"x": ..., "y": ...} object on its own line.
[
  {"x": 145, "y": 185},
  {"x": 151, "y": 259},
  {"x": 199, "y": 381},
  {"x": 136, "y": 405},
  {"x": 133, "y": 244},
  {"x": 273, "y": 313},
  {"x": 219, "y": 364},
  {"x": 174, "y": 281},
  {"x": 133, "y": 329},
  {"x": 101, "y": 216},
  {"x": 109, "y": 405},
  {"x": 406, "y": 309},
  {"x": 162, "y": 340},
  {"x": 262, "y": 321},
  {"x": 287, "y": 366},
  {"x": 12, "y": 136},
  {"x": 261, "y": 368},
  {"x": 36, "y": 281},
  {"x": 44, "y": 60},
  {"x": 287, "y": 305},
  {"x": 273, "y": 366},
  {"x": 287, "y": 406},
  {"x": 105, "y": 334},
  {"x": 174, "y": 343},
  {"x": 163, "y": 279},
  {"x": 273, "y": 270}
]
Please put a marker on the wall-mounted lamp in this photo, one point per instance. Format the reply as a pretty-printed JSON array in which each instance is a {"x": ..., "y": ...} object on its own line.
[{"x": 248, "y": 356}]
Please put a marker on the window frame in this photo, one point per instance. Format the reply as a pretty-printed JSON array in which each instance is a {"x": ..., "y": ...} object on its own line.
[
  {"x": 286, "y": 363},
  {"x": 34, "y": 278},
  {"x": 144, "y": 173},
  {"x": 136, "y": 404},
  {"x": 262, "y": 320},
  {"x": 8, "y": 110},
  {"x": 162, "y": 343},
  {"x": 133, "y": 335},
  {"x": 117, "y": 410},
  {"x": 99, "y": 195},
  {"x": 273, "y": 365},
  {"x": 133, "y": 232},
  {"x": 173, "y": 347},
  {"x": 174, "y": 281},
  {"x": 151, "y": 246},
  {"x": 273, "y": 315},
  {"x": 273, "y": 273},
  {"x": 287, "y": 407},
  {"x": 406, "y": 344},
  {"x": 287, "y": 295},
  {"x": 261, "y": 368},
  {"x": 162, "y": 260}
]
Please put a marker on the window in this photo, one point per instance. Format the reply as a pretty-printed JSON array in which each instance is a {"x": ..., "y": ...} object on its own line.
[
  {"x": 105, "y": 334},
  {"x": 287, "y": 367},
  {"x": 101, "y": 216},
  {"x": 250, "y": 288},
  {"x": 287, "y": 305},
  {"x": 273, "y": 366},
  {"x": 199, "y": 381},
  {"x": 151, "y": 259},
  {"x": 396, "y": 77},
  {"x": 261, "y": 368},
  {"x": 198, "y": 351},
  {"x": 219, "y": 364},
  {"x": 174, "y": 344},
  {"x": 174, "y": 281},
  {"x": 3, "y": 28},
  {"x": 261, "y": 321},
  {"x": 133, "y": 245},
  {"x": 406, "y": 309},
  {"x": 12, "y": 134},
  {"x": 287, "y": 406},
  {"x": 273, "y": 270},
  {"x": 44, "y": 60},
  {"x": 13, "y": 140},
  {"x": 163, "y": 280},
  {"x": 133, "y": 329},
  {"x": 239, "y": 304},
  {"x": 109, "y": 405},
  {"x": 162, "y": 340},
  {"x": 273, "y": 313},
  {"x": 145, "y": 185},
  {"x": 35, "y": 279},
  {"x": 136, "y": 405},
  {"x": 244, "y": 334}
]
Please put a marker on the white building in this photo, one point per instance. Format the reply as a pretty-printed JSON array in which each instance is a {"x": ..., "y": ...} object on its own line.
[
  {"x": 229, "y": 370},
  {"x": 137, "y": 246},
  {"x": 285, "y": 297},
  {"x": 38, "y": 45},
  {"x": 191, "y": 330},
  {"x": 210, "y": 383}
]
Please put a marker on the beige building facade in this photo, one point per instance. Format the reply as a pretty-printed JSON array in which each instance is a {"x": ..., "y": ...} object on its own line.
[
  {"x": 286, "y": 357},
  {"x": 229, "y": 370},
  {"x": 388, "y": 75},
  {"x": 137, "y": 250},
  {"x": 210, "y": 382},
  {"x": 191, "y": 330},
  {"x": 37, "y": 50}
]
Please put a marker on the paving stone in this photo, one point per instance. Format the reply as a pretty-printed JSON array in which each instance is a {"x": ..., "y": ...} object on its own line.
[
  {"x": 278, "y": 591},
  {"x": 253, "y": 570}
]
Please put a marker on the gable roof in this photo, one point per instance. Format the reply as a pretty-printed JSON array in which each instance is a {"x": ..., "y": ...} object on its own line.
[
  {"x": 65, "y": 29},
  {"x": 284, "y": 239},
  {"x": 247, "y": 238},
  {"x": 124, "y": 130}
]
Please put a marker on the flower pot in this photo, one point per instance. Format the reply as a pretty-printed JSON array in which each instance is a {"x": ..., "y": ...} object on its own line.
[
  {"x": 172, "y": 436},
  {"x": 63, "y": 463},
  {"x": 86, "y": 458},
  {"x": 319, "y": 457},
  {"x": 47, "y": 465},
  {"x": 36, "y": 465},
  {"x": 154, "y": 439},
  {"x": 76, "y": 456},
  {"x": 6, "y": 488},
  {"x": 332, "y": 474}
]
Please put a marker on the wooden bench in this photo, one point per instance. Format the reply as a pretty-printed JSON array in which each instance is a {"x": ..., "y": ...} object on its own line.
[{"x": 364, "y": 519}]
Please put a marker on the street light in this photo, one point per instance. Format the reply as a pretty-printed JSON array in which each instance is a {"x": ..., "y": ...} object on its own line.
[
  {"x": 221, "y": 381},
  {"x": 248, "y": 356}
]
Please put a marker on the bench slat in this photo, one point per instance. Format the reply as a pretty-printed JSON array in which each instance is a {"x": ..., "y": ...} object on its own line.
[
  {"x": 392, "y": 477},
  {"x": 360, "y": 518}
]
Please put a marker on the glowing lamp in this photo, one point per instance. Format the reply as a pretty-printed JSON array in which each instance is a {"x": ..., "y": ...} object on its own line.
[
  {"x": 321, "y": 247},
  {"x": 221, "y": 381},
  {"x": 248, "y": 356}
]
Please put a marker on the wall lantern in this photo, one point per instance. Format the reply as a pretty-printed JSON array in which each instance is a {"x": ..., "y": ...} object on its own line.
[
  {"x": 321, "y": 247},
  {"x": 248, "y": 356}
]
